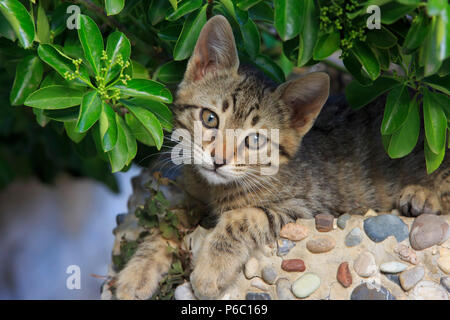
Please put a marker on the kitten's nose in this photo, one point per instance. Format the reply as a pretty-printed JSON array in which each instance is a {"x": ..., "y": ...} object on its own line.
[{"x": 213, "y": 156}]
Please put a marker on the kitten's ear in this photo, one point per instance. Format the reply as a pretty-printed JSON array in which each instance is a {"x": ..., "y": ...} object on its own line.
[
  {"x": 215, "y": 49},
  {"x": 305, "y": 97}
]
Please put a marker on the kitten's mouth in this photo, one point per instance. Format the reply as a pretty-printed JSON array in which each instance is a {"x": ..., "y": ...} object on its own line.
[{"x": 213, "y": 176}]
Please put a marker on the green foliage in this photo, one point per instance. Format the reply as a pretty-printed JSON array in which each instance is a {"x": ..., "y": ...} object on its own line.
[{"x": 112, "y": 80}]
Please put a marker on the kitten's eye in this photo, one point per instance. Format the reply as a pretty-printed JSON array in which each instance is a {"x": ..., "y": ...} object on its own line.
[
  {"x": 255, "y": 141},
  {"x": 209, "y": 119}
]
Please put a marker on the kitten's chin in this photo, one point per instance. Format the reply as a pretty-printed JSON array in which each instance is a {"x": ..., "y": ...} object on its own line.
[{"x": 212, "y": 177}]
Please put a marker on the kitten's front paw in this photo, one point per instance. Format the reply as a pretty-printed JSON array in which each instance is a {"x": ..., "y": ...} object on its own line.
[
  {"x": 212, "y": 274},
  {"x": 415, "y": 200},
  {"x": 135, "y": 282}
]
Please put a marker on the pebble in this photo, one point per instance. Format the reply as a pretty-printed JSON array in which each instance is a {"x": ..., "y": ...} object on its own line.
[
  {"x": 380, "y": 227},
  {"x": 184, "y": 292},
  {"x": 342, "y": 220},
  {"x": 427, "y": 231},
  {"x": 284, "y": 289},
  {"x": 324, "y": 222},
  {"x": 365, "y": 265},
  {"x": 257, "y": 296},
  {"x": 321, "y": 244},
  {"x": 269, "y": 275},
  {"x": 409, "y": 278},
  {"x": 293, "y": 265},
  {"x": 344, "y": 276},
  {"x": 284, "y": 246},
  {"x": 394, "y": 278},
  {"x": 393, "y": 267},
  {"x": 445, "y": 282},
  {"x": 428, "y": 290},
  {"x": 363, "y": 292},
  {"x": 294, "y": 231},
  {"x": 305, "y": 285},
  {"x": 251, "y": 268},
  {"x": 258, "y": 283},
  {"x": 354, "y": 237},
  {"x": 406, "y": 253},
  {"x": 120, "y": 218},
  {"x": 444, "y": 263}
]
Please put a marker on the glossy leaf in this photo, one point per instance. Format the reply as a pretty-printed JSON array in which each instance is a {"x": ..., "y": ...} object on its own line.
[
  {"x": 116, "y": 45},
  {"x": 149, "y": 122},
  {"x": 61, "y": 115},
  {"x": 160, "y": 110},
  {"x": 157, "y": 11},
  {"x": 435, "y": 122},
  {"x": 247, "y": 4},
  {"x": 146, "y": 89},
  {"x": 308, "y": 32},
  {"x": 71, "y": 131},
  {"x": 54, "y": 97},
  {"x": 288, "y": 18},
  {"x": 433, "y": 160},
  {"x": 391, "y": 12},
  {"x": 171, "y": 72},
  {"x": 183, "y": 9},
  {"x": 382, "y": 38},
  {"x": 92, "y": 42},
  {"x": 396, "y": 109},
  {"x": 139, "y": 131},
  {"x": 108, "y": 127},
  {"x": 130, "y": 140},
  {"x": 118, "y": 156},
  {"x": 189, "y": 34},
  {"x": 435, "y": 46},
  {"x": 90, "y": 110},
  {"x": 250, "y": 34},
  {"x": 114, "y": 6},
  {"x": 20, "y": 21},
  {"x": 139, "y": 71},
  {"x": 28, "y": 76},
  {"x": 405, "y": 139},
  {"x": 367, "y": 58},
  {"x": 262, "y": 11},
  {"x": 42, "y": 26},
  {"x": 439, "y": 83},
  {"x": 416, "y": 34},
  {"x": 358, "y": 96},
  {"x": 326, "y": 45}
]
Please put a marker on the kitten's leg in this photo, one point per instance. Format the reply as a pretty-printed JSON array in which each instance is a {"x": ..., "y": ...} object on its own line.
[
  {"x": 227, "y": 248},
  {"x": 140, "y": 278},
  {"x": 415, "y": 200}
]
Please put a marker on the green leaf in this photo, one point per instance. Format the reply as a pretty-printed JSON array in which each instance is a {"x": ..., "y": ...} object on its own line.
[
  {"x": 108, "y": 127},
  {"x": 382, "y": 38},
  {"x": 6, "y": 30},
  {"x": 20, "y": 21},
  {"x": 189, "y": 34},
  {"x": 267, "y": 66},
  {"x": 405, "y": 139},
  {"x": 42, "y": 26},
  {"x": 326, "y": 45},
  {"x": 118, "y": 156},
  {"x": 174, "y": 4},
  {"x": 92, "y": 42},
  {"x": 61, "y": 115},
  {"x": 54, "y": 97},
  {"x": 353, "y": 66},
  {"x": 416, "y": 34},
  {"x": 160, "y": 110},
  {"x": 130, "y": 140},
  {"x": 435, "y": 49},
  {"x": 435, "y": 7},
  {"x": 28, "y": 76},
  {"x": 246, "y": 4},
  {"x": 262, "y": 12},
  {"x": 116, "y": 45},
  {"x": 250, "y": 34},
  {"x": 185, "y": 8},
  {"x": 308, "y": 31},
  {"x": 60, "y": 62},
  {"x": 114, "y": 6},
  {"x": 171, "y": 72},
  {"x": 138, "y": 130},
  {"x": 90, "y": 110},
  {"x": 139, "y": 71},
  {"x": 433, "y": 160},
  {"x": 157, "y": 11},
  {"x": 444, "y": 102},
  {"x": 396, "y": 109},
  {"x": 358, "y": 95},
  {"x": 435, "y": 122},
  {"x": 367, "y": 58},
  {"x": 71, "y": 131},
  {"x": 392, "y": 11},
  {"x": 146, "y": 89},
  {"x": 288, "y": 18},
  {"x": 383, "y": 57},
  {"x": 150, "y": 123},
  {"x": 439, "y": 83}
]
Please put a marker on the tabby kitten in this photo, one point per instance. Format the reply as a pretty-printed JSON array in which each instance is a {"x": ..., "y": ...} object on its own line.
[{"x": 334, "y": 164}]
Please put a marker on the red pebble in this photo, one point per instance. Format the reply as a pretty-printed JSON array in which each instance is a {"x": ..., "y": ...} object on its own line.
[
  {"x": 343, "y": 275},
  {"x": 293, "y": 265}
]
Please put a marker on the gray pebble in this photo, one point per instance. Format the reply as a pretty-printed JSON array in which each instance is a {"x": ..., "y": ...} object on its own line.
[
  {"x": 353, "y": 238},
  {"x": 409, "y": 278},
  {"x": 284, "y": 246},
  {"x": 445, "y": 282},
  {"x": 284, "y": 289},
  {"x": 120, "y": 218},
  {"x": 269, "y": 275},
  {"x": 257, "y": 296},
  {"x": 342, "y": 220},
  {"x": 363, "y": 292},
  {"x": 394, "y": 278},
  {"x": 380, "y": 227},
  {"x": 184, "y": 292}
]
